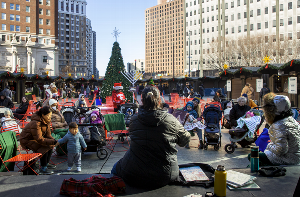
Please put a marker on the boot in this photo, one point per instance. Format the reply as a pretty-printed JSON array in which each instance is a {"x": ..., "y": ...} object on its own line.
[
  {"x": 201, "y": 145},
  {"x": 187, "y": 146}
]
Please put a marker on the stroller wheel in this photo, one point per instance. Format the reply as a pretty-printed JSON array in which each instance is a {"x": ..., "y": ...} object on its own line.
[
  {"x": 102, "y": 153},
  {"x": 216, "y": 147},
  {"x": 229, "y": 148}
]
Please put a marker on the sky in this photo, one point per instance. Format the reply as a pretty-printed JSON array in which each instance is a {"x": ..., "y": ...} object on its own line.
[{"x": 128, "y": 16}]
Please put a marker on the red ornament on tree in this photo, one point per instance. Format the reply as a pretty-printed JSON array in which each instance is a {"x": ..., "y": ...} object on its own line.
[
  {"x": 108, "y": 72},
  {"x": 292, "y": 62},
  {"x": 119, "y": 72},
  {"x": 112, "y": 65}
]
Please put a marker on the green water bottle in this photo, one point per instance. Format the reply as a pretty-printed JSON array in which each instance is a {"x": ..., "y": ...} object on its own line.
[{"x": 254, "y": 161}]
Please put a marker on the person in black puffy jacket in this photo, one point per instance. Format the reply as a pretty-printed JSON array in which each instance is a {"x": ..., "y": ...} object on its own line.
[
  {"x": 151, "y": 160},
  {"x": 238, "y": 110},
  {"x": 5, "y": 102},
  {"x": 22, "y": 108}
]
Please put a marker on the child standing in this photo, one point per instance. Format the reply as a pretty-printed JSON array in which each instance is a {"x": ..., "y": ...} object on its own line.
[{"x": 75, "y": 141}]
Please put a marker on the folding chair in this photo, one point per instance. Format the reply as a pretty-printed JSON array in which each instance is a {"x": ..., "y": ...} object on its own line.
[
  {"x": 15, "y": 128},
  {"x": 115, "y": 125},
  {"x": 8, "y": 142}
]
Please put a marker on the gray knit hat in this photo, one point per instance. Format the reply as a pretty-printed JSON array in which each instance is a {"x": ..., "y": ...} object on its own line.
[{"x": 282, "y": 104}]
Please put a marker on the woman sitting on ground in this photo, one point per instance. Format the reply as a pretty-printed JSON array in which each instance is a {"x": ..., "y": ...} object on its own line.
[
  {"x": 284, "y": 148},
  {"x": 151, "y": 160},
  {"x": 22, "y": 109}
]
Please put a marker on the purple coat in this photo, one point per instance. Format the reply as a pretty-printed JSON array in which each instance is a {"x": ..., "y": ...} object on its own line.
[{"x": 98, "y": 120}]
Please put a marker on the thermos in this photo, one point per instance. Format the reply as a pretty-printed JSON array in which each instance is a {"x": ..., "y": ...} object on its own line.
[
  {"x": 254, "y": 161},
  {"x": 220, "y": 181}
]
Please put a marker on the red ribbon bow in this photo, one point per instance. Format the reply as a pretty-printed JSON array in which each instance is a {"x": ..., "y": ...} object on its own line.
[
  {"x": 241, "y": 69},
  {"x": 267, "y": 67},
  {"x": 292, "y": 62},
  {"x": 225, "y": 72}
]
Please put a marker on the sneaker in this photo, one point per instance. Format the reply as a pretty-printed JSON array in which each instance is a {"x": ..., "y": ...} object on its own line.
[
  {"x": 69, "y": 169},
  {"x": 51, "y": 166},
  {"x": 78, "y": 169},
  {"x": 46, "y": 172}
]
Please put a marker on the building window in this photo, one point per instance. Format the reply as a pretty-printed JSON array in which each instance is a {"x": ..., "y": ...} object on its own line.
[
  {"x": 77, "y": 8},
  {"x": 40, "y": 11},
  {"x": 47, "y": 41},
  {"x": 41, "y": 2},
  {"x": 48, "y": 2},
  {"x": 27, "y": 29},
  {"x": 47, "y": 21},
  {"x": 281, "y": 7},
  {"x": 27, "y": 8},
  {"x": 239, "y": 15},
  {"x": 232, "y": 30},
  {"x": 226, "y": 6},
  {"x": 258, "y": 26},
  {"x": 72, "y": 7},
  {"x": 48, "y": 12},
  {"x": 3, "y": 5},
  {"x": 12, "y": 17},
  {"x": 258, "y": 12},
  {"x": 239, "y": 29},
  {"x": 3, "y": 16},
  {"x": 266, "y": 25},
  {"x": 40, "y": 21},
  {"x": 290, "y": 36},
  {"x": 251, "y": 13},
  {"x": 18, "y": 18},
  {"x": 62, "y": 6},
  {"x": 245, "y": 14},
  {"x": 274, "y": 8},
  {"x": 290, "y": 5},
  {"x": 281, "y": 22},
  {"x": 45, "y": 59},
  {"x": 12, "y": 6},
  {"x": 281, "y": 37},
  {"x": 274, "y": 23},
  {"x": 40, "y": 31},
  {"x": 245, "y": 28},
  {"x": 12, "y": 28},
  {"x": 41, "y": 41},
  {"x": 3, "y": 26},
  {"x": 232, "y": 17},
  {"x": 17, "y": 28},
  {"x": 266, "y": 10},
  {"x": 48, "y": 31},
  {"x": 290, "y": 21},
  {"x": 290, "y": 51},
  {"x": 27, "y": 19},
  {"x": 17, "y": 7},
  {"x": 251, "y": 27},
  {"x": 232, "y": 4},
  {"x": 298, "y": 19}
]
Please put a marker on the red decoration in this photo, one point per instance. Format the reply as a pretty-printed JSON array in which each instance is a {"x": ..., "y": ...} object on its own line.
[
  {"x": 108, "y": 72},
  {"x": 173, "y": 79},
  {"x": 292, "y": 62},
  {"x": 47, "y": 77},
  {"x": 241, "y": 69},
  {"x": 267, "y": 67},
  {"x": 103, "y": 78},
  {"x": 36, "y": 76},
  {"x": 81, "y": 78},
  {"x": 119, "y": 72},
  {"x": 8, "y": 73},
  {"x": 225, "y": 72}
]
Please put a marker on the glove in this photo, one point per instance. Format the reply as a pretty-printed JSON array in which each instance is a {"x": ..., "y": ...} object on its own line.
[{"x": 272, "y": 171}]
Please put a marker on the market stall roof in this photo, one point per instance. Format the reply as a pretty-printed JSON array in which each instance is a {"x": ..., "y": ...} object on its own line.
[
  {"x": 229, "y": 73},
  {"x": 293, "y": 65},
  {"x": 270, "y": 69}
]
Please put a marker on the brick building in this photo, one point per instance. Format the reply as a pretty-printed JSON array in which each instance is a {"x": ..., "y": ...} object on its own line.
[{"x": 28, "y": 36}]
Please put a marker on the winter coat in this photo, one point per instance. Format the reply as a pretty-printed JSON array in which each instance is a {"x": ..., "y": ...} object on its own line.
[
  {"x": 36, "y": 135},
  {"x": 264, "y": 91},
  {"x": 58, "y": 121},
  {"x": 118, "y": 98},
  {"x": 74, "y": 142},
  {"x": 7, "y": 92},
  {"x": 22, "y": 108},
  {"x": 88, "y": 90},
  {"x": 6, "y": 102},
  {"x": 284, "y": 147},
  {"x": 217, "y": 98},
  {"x": 251, "y": 103},
  {"x": 192, "y": 112},
  {"x": 98, "y": 119},
  {"x": 201, "y": 91},
  {"x": 77, "y": 102},
  {"x": 151, "y": 160},
  {"x": 236, "y": 112},
  {"x": 248, "y": 91},
  {"x": 82, "y": 89}
]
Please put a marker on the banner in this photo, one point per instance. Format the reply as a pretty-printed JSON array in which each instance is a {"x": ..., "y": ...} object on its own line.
[
  {"x": 228, "y": 85},
  {"x": 259, "y": 84},
  {"x": 292, "y": 85}
]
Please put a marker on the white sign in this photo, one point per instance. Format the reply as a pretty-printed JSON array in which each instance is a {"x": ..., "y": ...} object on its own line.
[
  {"x": 228, "y": 84},
  {"x": 259, "y": 84},
  {"x": 292, "y": 85}
]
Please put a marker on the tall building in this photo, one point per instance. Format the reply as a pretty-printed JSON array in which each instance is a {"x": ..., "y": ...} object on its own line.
[
  {"x": 138, "y": 65},
  {"x": 248, "y": 32},
  {"x": 165, "y": 33},
  {"x": 72, "y": 37},
  {"x": 28, "y": 33},
  {"x": 95, "y": 69},
  {"x": 89, "y": 47}
]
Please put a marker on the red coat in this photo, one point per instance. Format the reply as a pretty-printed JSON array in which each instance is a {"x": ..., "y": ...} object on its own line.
[{"x": 118, "y": 98}]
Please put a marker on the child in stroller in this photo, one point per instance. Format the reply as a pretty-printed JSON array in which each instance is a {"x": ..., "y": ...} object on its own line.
[
  {"x": 226, "y": 119},
  {"x": 128, "y": 115},
  {"x": 245, "y": 133}
]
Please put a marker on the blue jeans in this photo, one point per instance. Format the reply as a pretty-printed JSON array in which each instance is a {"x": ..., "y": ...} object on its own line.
[
  {"x": 114, "y": 169},
  {"x": 199, "y": 133}
]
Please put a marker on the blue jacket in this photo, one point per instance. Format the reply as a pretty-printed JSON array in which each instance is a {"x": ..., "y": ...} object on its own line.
[
  {"x": 192, "y": 112},
  {"x": 74, "y": 142}
]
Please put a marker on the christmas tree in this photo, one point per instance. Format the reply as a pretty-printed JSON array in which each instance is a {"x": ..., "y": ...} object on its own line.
[{"x": 113, "y": 75}]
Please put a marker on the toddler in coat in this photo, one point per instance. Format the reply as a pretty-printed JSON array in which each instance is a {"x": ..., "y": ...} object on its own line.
[{"x": 74, "y": 142}]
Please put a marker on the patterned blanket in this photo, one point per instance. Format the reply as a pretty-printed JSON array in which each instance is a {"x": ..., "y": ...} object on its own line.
[{"x": 251, "y": 124}]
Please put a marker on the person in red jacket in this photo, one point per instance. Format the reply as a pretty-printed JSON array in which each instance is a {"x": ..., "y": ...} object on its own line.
[{"x": 118, "y": 96}]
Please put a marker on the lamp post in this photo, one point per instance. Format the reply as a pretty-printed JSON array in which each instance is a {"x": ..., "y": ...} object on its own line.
[
  {"x": 173, "y": 60},
  {"x": 135, "y": 65},
  {"x": 189, "y": 54}
]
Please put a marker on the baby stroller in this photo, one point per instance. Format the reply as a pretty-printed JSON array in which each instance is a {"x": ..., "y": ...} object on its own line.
[
  {"x": 212, "y": 115},
  {"x": 68, "y": 111},
  {"x": 245, "y": 136}
]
